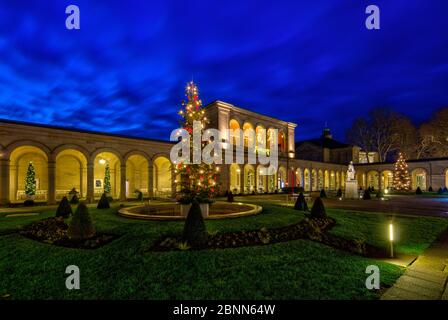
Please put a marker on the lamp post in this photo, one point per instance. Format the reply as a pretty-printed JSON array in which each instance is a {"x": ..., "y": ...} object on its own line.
[{"x": 391, "y": 238}]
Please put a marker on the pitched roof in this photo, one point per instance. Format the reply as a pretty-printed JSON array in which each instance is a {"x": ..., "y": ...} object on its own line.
[{"x": 324, "y": 143}]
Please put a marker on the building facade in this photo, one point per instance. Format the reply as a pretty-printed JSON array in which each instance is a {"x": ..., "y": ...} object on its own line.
[{"x": 68, "y": 158}]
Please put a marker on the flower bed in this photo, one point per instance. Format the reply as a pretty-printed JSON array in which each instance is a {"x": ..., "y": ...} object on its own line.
[{"x": 54, "y": 231}]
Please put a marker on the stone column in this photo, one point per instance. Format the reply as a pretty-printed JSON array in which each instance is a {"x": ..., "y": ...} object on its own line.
[
  {"x": 241, "y": 174},
  {"x": 150, "y": 181},
  {"x": 90, "y": 187},
  {"x": 51, "y": 192},
  {"x": 4, "y": 181},
  {"x": 123, "y": 182}
]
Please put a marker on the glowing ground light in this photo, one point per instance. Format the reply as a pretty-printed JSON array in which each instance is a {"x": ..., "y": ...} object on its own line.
[{"x": 391, "y": 232}]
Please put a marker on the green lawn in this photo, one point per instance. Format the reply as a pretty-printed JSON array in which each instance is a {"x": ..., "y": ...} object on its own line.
[{"x": 124, "y": 270}]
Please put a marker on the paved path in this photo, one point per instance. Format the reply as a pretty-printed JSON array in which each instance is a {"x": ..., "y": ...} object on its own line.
[{"x": 426, "y": 278}]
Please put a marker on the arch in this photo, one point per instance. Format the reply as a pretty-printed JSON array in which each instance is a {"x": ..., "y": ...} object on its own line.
[
  {"x": 314, "y": 182},
  {"x": 299, "y": 177},
  {"x": 307, "y": 182},
  {"x": 20, "y": 158},
  {"x": 320, "y": 180},
  {"x": 137, "y": 153},
  {"x": 419, "y": 178},
  {"x": 249, "y": 178},
  {"x": 332, "y": 180},
  {"x": 85, "y": 154},
  {"x": 281, "y": 141},
  {"x": 281, "y": 178},
  {"x": 343, "y": 180},
  {"x": 235, "y": 178},
  {"x": 326, "y": 179},
  {"x": 261, "y": 179},
  {"x": 338, "y": 181},
  {"x": 373, "y": 179},
  {"x": 234, "y": 125},
  {"x": 387, "y": 179},
  {"x": 9, "y": 149},
  {"x": 71, "y": 172},
  {"x": 112, "y": 151},
  {"x": 248, "y": 133},
  {"x": 136, "y": 175},
  {"x": 260, "y": 136},
  {"x": 162, "y": 176},
  {"x": 102, "y": 160}
]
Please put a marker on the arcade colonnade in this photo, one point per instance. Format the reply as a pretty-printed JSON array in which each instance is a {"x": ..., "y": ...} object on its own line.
[{"x": 70, "y": 166}]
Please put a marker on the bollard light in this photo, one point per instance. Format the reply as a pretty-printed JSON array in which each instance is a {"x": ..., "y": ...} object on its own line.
[{"x": 391, "y": 238}]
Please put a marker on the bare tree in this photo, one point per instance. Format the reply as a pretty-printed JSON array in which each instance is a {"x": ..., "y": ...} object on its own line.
[{"x": 359, "y": 134}]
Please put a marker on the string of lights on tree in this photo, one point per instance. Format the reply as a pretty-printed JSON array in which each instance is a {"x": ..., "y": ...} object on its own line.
[
  {"x": 402, "y": 180},
  {"x": 107, "y": 185},
  {"x": 195, "y": 179},
  {"x": 30, "y": 180}
]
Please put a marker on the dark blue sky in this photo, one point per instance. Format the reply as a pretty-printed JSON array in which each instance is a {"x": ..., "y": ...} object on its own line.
[{"x": 302, "y": 61}]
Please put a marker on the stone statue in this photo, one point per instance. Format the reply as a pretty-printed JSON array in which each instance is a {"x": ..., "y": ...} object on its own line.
[
  {"x": 351, "y": 172},
  {"x": 351, "y": 184}
]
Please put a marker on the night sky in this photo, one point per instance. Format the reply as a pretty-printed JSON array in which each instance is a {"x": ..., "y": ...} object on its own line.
[{"x": 308, "y": 62}]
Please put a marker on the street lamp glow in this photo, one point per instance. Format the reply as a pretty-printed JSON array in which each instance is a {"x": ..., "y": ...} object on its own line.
[{"x": 391, "y": 232}]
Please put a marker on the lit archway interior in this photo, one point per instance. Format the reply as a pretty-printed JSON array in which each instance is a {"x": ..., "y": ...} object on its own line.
[
  {"x": 281, "y": 178},
  {"x": 320, "y": 182},
  {"x": 249, "y": 178},
  {"x": 262, "y": 179},
  {"x": 419, "y": 178},
  {"x": 387, "y": 177},
  {"x": 71, "y": 172},
  {"x": 249, "y": 134},
  {"x": 20, "y": 159},
  {"x": 313, "y": 180},
  {"x": 326, "y": 179},
  {"x": 162, "y": 177},
  {"x": 136, "y": 176},
  {"x": 299, "y": 177},
  {"x": 332, "y": 180},
  {"x": 235, "y": 178},
  {"x": 373, "y": 179},
  {"x": 307, "y": 182},
  {"x": 234, "y": 125},
  {"x": 100, "y": 163}
]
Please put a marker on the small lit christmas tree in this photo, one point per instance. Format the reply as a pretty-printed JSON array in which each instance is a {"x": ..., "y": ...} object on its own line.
[
  {"x": 402, "y": 181},
  {"x": 107, "y": 186},
  {"x": 30, "y": 181},
  {"x": 197, "y": 181}
]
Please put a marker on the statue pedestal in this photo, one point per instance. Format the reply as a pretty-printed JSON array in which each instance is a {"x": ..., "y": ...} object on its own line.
[{"x": 351, "y": 189}]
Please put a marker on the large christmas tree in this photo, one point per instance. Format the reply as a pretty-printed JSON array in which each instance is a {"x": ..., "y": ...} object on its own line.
[
  {"x": 197, "y": 181},
  {"x": 107, "y": 186},
  {"x": 402, "y": 180},
  {"x": 30, "y": 180}
]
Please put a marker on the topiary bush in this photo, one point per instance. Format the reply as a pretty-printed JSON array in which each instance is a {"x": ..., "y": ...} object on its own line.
[
  {"x": 81, "y": 226},
  {"x": 64, "y": 209},
  {"x": 230, "y": 196},
  {"x": 28, "y": 203},
  {"x": 301, "y": 203},
  {"x": 430, "y": 189},
  {"x": 194, "y": 229},
  {"x": 418, "y": 191},
  {"x": 103, "y": 203},
  {"x": 339, "y": 193},
  {"x": 445, "y": 190},
  {"x": 74, "y": 199},
  {"x": 323, "y": 194},
  {"x": 318, "y": 209},
  {"x": 366, "y": 195},
  {"x": 139, "y": 195},
  {"x": 440, "y": 191},
  {"x": 379, "y": 194}
]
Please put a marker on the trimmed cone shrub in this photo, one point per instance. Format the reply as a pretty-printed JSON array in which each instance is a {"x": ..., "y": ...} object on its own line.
[
  {"x": 230, "y": 196},
  {"x": 418, "y": 191},
  {"x": 318, "y": 209},
  {"x": 323, "y": 194},
  {"x": 28, "y": 203},
  {"x": 81, "y": 226},
  {"x": 74, "y": 199},
  {"x": 430, "y": 189},
  {"x": 194, "y": 228},
  {"x": 103, "y": 203},
  {"x": 366, "y": 195},
  {"x": 339, "y": 194},
  {"x": 440, "y": 191},
  {"x": 301, "y": 203},
  {"x": 445, "y": 190},
  {"x": 64, "y": 209}
]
